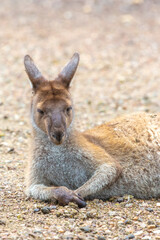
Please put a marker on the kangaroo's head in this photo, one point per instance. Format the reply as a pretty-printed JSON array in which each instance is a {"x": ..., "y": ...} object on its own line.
[{"x": 51, "y": 108}]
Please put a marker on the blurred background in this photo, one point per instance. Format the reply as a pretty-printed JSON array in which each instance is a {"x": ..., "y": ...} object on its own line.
[
  {"x": 119, "y": 72},
  {"x": 118, "y": 42}
]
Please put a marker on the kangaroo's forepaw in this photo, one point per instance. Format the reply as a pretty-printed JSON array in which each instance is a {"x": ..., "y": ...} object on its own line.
[{"x": 64, "y": 196}]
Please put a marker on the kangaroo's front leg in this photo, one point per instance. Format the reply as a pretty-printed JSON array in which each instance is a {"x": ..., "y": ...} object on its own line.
[
  {"x": 106, "y": 173},
  {"x": 61, "y": 194}
]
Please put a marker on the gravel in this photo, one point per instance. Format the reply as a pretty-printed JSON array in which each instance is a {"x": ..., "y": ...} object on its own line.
[{"x": 119, "y": 46}]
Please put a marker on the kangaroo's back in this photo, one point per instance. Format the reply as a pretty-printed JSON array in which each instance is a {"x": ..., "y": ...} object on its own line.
[{"x": 137, "y": 132}]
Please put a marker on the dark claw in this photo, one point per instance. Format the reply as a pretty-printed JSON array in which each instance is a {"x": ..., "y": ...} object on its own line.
[{"x": 81, "y": 203}]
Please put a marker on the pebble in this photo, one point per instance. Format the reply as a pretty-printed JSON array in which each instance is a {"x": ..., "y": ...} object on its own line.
[
  {"x": 120, "y": 199},
  {"x": 101, "y": 238},
  {"x": 143, "y": 225},
  {"x": 140, "y": 219},
  {"x": 130, "y": 236},
  {"x": 112, "y": 213},
  {"x": 146, "y": 238},
  {"x": 68, "y": 235},
  {"x": 36, "y": 210},
  {"x": 149, "y": 209},
  {"x": 2, "y": 222},
  {"x": 150, "y": 222},
  {"x": 151, "y": 226},
  {"x": 157, "y": 231},
  {"x": 91, "y": 214},
  {"x": 45, "y": 210},
  {"x": 138, "y": 233},
  {"x": 127, "y": 221},
  {"x": 59, "y": 213},
  {"x": 38, "y": 231},
  {"x": 128, "y": 205},
  {"x": 10, "y": 150},
  {"x": 86, "y": 229},
  {"x": 60, "y": 230},
  {"x": 52, "y": 207}
]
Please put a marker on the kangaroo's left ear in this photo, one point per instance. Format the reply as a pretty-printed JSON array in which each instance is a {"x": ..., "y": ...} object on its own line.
[
  {"x": 33, "y": 73},
  {"x": 69, "y": 70}
]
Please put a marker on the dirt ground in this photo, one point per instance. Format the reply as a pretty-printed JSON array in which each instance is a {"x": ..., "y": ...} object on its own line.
[{"x": 119, "y": 72}]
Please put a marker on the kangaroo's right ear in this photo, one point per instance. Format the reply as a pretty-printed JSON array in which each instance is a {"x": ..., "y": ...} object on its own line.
[{"x": 33, "y": 73}]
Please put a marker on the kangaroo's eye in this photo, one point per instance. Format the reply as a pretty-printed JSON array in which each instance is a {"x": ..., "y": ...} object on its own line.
[
  {"x": 40, "y": 111},
  {"x": 69, "y": 109}
]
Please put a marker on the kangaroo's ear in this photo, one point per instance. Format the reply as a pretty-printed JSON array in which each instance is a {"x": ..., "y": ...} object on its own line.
[
  {"x": 32, "y": 71},
  {"x": 69, "y": 70}
]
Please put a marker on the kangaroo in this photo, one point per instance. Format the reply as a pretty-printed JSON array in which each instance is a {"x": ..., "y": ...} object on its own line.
[{"x": 117, "y": 158}]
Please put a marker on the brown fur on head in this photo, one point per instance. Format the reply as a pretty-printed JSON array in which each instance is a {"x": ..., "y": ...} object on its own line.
[{"x": 52, "y": 104}]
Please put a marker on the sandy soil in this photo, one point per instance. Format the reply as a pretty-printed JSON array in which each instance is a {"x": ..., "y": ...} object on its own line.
[{"x": 119, "y": 72}]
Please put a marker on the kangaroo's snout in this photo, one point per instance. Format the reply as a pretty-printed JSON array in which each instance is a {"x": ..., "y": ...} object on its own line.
[
  {"x": 58, "y": 137},
  {"x": 57, "y": 128}
]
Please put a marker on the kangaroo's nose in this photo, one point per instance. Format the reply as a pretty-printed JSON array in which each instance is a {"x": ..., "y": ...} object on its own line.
[{"x": 58, "y": 136}]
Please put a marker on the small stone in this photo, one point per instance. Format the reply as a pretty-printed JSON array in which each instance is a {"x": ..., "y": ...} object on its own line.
[
  {"x": 149, "y": 209},
  {"x": 157, "y": 231},
  {"x": 2, "y": 222},
  {"x": 150, "y": 222},
  {"x": 146, "y": 238},
  {"x": 52, "y": 207},
  {"x": 130, "y": 236},
  {"x": 138, "y": 233},
  {"x": 140, "y": 219},
  {"x": 38, "y": 231},
  {"x": 11, "y": 150},
  {"x": 120, "y": 199},
  {"x": 101, "y": 238},
  {"x": 143, "y": 225},
  {"x": 112, "y": 213},
  {"x": 36, "y": 210},
  {"x": 59, "y": 213},
  {"x": 68, "y": 235},
  {"x": 91, "y": 214},
  {"x": 86, "y": 229},
  {"x": 45, "y": 210},
  {"x": 151, "y": 226},
  {"x": 60, "y": 230},
  {"x": 128, "y": 205},
  {"x": 32, "y": 235},
  {"x": 127, "y": 221}
]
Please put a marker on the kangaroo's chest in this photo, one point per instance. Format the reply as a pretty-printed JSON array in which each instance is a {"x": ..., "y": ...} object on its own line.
[{"x": 66, "y": 167}]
